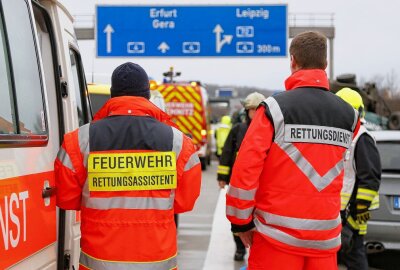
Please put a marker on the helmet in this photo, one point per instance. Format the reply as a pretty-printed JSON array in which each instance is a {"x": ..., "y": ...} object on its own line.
[
  {"x": 252, "y": 100},
  {"x": 226, "y": 119},
  {"x": 353, "y": 98}
]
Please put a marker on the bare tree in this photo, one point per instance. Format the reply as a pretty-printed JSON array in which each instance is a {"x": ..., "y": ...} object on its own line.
[{"x": 387, "y": 85}]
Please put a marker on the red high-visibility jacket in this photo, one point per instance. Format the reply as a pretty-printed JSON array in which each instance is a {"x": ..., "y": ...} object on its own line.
[
  {"x": 289, "y": 171},
  {"x": 128, "y": 172}
]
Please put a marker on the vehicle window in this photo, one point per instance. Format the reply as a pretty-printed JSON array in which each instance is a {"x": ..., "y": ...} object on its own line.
[
  {"x": 25, "y": 68},
  {"x": 390, "y": 155},
  {"x": 7, "y": 125},
  {"x": 97, "y": 101},
  {"x": 82, "y": 101}
]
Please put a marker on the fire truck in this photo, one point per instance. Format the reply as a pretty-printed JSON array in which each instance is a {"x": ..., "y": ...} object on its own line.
[
  {"x": 43, "y": 95},
  {"x": 187, "y": 104}
]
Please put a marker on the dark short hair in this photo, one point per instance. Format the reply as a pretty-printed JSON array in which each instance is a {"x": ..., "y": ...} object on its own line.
[{"x": 309, "y": 49}]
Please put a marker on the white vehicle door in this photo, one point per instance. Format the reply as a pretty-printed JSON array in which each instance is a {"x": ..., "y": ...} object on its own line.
[
  {"x": 43, "y": 94},
  {"x": 29, "y": 140},
  {"x": 76, "y": 112}
]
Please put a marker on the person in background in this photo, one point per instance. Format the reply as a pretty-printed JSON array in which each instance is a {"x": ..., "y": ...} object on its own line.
[
  {"x": 230, "y": 150},
  {"x": 221, "y": 133},
  {"x": 239, "y": 116},
  {"x": 284, "y": 194},
  {"x": 362, "y": 177},
  {"x": 129, "y": 172}
]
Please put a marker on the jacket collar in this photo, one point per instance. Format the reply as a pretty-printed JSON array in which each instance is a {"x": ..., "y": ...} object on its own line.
[
  {"x": 130, "y": 105},
  {"x": 307, "y": 78}
]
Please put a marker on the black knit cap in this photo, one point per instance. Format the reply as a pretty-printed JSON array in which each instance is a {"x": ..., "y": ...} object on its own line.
[{"x": 130, "y": 79}]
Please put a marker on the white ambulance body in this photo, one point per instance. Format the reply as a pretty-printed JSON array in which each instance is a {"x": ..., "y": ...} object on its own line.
[{"x": 43, "y": 95}]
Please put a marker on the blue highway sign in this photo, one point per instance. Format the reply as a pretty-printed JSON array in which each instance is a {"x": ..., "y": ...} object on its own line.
[{"x": 192, "y": 31}]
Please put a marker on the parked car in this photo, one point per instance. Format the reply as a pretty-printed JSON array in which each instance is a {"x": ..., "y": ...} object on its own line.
[{"x": 384, "y": 226}]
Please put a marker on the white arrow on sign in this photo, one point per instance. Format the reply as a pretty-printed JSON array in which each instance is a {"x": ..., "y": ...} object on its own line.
[
  {"x": 218, "y": 42},
  {"x": 163, "y": 47},
  {"x": 108, "y": 30}
]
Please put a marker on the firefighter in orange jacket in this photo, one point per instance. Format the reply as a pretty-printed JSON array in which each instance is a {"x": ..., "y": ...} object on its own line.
[
  {"x": 128, "y": 172},
  {"x": 284, "y": 194}
]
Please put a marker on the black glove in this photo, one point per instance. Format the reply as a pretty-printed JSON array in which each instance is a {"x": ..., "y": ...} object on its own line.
[{"x": 363, "y": 214}]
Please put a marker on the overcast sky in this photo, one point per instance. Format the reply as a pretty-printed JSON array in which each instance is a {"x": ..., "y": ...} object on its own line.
[{"x": 366, "y": 43}]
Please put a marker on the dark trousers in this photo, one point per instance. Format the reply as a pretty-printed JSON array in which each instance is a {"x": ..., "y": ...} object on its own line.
[
  {"x": 239, "y": 244},
  {"x": 356, "y": 258}
]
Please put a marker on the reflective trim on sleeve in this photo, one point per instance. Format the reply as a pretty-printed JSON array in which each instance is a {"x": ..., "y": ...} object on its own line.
[
  {"x": 172, "y": 197},
  {"x": 224, "y": 170},
  {"x": 193, "y": 161},
  {"x": 241, "y": 193},
  {"x": 239, "y": 213},
  {"x": 65, "y": 159},
  {"x": 299, "y": 223},
  {"x": 344, "y": 200},
  {"x": 129, "y": 203},
  {"x": 85, "y": 193},
  {"x": 362, "y": 229},
  {"x": 98, "y": 264},
  {"x": 177, "y": 142},
  {"x": 366, "y": 194},
  {"x": 375, "y": 203},
  {"x": 83, "y": 136},
  {"x": 293, "y": 241}
]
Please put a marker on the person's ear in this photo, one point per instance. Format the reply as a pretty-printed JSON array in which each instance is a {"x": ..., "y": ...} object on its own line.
[{"x": 293, "y": 64}]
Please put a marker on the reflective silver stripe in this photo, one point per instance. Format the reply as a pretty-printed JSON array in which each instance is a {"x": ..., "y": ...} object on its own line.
[
  {"x": 318, "y": 134},
  {"x": 97, "y": 264},
  {"x": 129, "y": 203},
  {"x": 320, "y": 182},
  {"x": 239, "y": 213},
  {"x": 172, "y": 196},
  {"x": 83, "y": 136},
  {"x": 65, "y": 159},
  {"x": 224, "y": 170},
  {"x": 277, "y": 117},
  {"x": 299, "y": 223},
  {"x": 293, "y": 241},
  {"x": 193, "y": 161},
  {"x": 85, "y": 193},
  {"x": 355, "y": 119},
  {"x": 365, "y": 196},
  {"x": 241, "y": 193},
  {"x": 177, "y": 142}
]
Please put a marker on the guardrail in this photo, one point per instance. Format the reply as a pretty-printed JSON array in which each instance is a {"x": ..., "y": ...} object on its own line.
[
  {"x": 84, "y": 20},
  {"x": 311, "y": 19}
]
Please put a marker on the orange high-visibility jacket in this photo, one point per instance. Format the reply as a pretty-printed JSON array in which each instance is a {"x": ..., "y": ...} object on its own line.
[
  {"x": 128, "y": 172},
  {"x": 289, "y": 171}
]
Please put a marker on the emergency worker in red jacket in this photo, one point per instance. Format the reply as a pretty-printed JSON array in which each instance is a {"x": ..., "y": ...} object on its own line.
[
  {"x": 128, "y": 172},
  {"x": 284, "y": 194}
]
